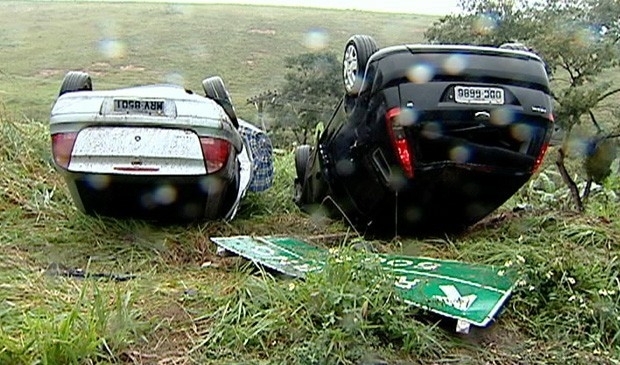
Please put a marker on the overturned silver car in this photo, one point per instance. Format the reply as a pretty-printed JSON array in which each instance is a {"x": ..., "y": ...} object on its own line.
[{"x": 157, "y": 151}]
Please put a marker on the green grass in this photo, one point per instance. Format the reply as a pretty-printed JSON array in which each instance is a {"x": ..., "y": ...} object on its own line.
[
  {"x": 187, "y": 305},
  {"x": 134, "y": 43}
]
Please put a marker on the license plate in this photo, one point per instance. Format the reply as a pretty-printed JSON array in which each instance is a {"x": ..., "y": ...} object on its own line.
[
  {"x": 148, "y": 107},
  {"x": 478, "y": 95}
]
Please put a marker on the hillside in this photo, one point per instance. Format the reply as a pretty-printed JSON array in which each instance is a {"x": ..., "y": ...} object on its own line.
[{"x": 134, "y": 43}]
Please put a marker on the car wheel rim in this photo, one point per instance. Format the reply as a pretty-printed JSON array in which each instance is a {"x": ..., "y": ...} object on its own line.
[{"x": 350, "y": 67}]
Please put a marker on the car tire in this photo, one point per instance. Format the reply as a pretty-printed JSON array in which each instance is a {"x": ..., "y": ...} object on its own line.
[
  {"x": 357, "y": 52},
  {"x": 76, "y": 81},
  {"x": 302, "y": 156},
  {"x": 215, "y": 89}
]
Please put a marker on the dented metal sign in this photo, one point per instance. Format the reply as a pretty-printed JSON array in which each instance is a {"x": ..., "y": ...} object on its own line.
[{"x": 470, "y": 293}]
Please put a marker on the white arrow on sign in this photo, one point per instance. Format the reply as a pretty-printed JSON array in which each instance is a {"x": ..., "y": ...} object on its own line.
[{"x": 454, "y": 299}]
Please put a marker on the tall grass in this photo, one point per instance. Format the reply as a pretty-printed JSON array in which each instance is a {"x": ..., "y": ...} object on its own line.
[
  {"x": 345, "y": 314},
  {"x": 566, "y": 303}
]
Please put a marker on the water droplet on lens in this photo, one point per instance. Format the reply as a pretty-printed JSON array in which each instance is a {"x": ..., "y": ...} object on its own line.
[
  {"x": 460, "y": 154},
  {"x": 211, "y": 185},
  {"x": 165, "y": 195},
  {"x": 421, "y": 73},
  {"x": 407, "y": 117},
  {"x": 521, "y": 132},
  {"x": 345, "y": 167},
  {"x": 432, "y": 130},
  {"x": 455, "y": 64},
  {"x": 98, "y": 182},
  {"x": 316, "y": 39},
  {"x": 112, "y": 48},
  {"x": 502, "y": 116},
  {"x": 485, "y": 24}
]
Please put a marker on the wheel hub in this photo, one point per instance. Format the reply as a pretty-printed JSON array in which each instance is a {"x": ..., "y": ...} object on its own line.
[{"x": 350, "y": 67}]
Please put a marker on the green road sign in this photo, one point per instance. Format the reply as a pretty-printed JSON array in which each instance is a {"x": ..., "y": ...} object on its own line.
[{"x": 470, "y": 293}]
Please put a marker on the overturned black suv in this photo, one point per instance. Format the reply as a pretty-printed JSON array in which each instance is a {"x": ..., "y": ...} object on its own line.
[{"x": 427, "y": 137}]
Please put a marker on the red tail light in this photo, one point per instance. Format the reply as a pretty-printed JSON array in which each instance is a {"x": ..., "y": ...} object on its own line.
[
  {"x": 62, "y": 146},
  {"x": 215, "y": 152},
  {"x": 543, "y": 150},
  {"x": 540, "y": 157},
  {"x": 400, "y": 142}
]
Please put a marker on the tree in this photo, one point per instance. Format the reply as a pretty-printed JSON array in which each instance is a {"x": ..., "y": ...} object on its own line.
[
  {"x": 579, "y": 41},
  {"x": 483, "y": 23},
  {"x": 311, "y": 89}
]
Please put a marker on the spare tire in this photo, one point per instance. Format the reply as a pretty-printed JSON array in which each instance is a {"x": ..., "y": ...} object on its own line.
[
  {"x": 357, "y": 52},
  {"x": 215, "y": 89},
  {"x": 76, "y": 81},
  {"x": 302, "y": 157}
]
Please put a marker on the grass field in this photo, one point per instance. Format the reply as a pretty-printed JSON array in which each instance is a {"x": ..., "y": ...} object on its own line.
[
  {"x": 125, "y": 44},
  {"x": 186, "y": 305}
]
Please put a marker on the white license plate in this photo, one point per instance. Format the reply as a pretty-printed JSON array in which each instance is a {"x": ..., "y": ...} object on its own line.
[
  {"x": 148, "y": 107},
  {"x": 478, "y": 95}
]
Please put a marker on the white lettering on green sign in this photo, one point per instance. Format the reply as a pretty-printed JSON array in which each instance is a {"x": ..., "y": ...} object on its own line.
[
  {"x": 454, "y": 298},
  {"x": 404, "y": 283},
  {"x": 430, "y": 266},
  {"x": 404, "y": 263}
]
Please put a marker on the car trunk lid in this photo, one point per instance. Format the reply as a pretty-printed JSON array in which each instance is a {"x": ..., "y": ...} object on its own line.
[{"x": 133, "y": 151}]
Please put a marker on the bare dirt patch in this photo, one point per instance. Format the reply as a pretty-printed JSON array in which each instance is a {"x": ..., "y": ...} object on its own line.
[
  {"x": 132, "y": 68},
  {"x": 99, "y": 68},
  {"x": 170, "y": 343},
  {"x": 262, "y": 31},
  {"x": 48, "y": 72}
]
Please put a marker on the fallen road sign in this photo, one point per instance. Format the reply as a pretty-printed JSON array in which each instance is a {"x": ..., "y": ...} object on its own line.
[{"x": 470, "y": 293}]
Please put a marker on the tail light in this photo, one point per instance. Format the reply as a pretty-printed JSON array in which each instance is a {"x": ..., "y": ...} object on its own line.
[
  {"x": 540, "y": 157},
  {"x": 215, "y": 152},
  {"x": 62, "y": 146},
  {"x": 543, "y": 150},
  {"x": 399, "y": 141}
]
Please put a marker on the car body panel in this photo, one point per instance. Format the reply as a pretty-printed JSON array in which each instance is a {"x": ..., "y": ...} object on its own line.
[
  {"x": 466, "y": 158},
  {"x": 150, "y": 164},
  {"x": 137, "y": 150},
  {"x": 182, "y": 109},
  {"x": 457, "y": 64}
]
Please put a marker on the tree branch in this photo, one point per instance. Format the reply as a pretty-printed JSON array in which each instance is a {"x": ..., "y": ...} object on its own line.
[
  {"x": 598, "y": 127},
  {"x": 568, "y": 180},
  {"x": 568, "y": 69},
  {"x": 607, "y": 94}
]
